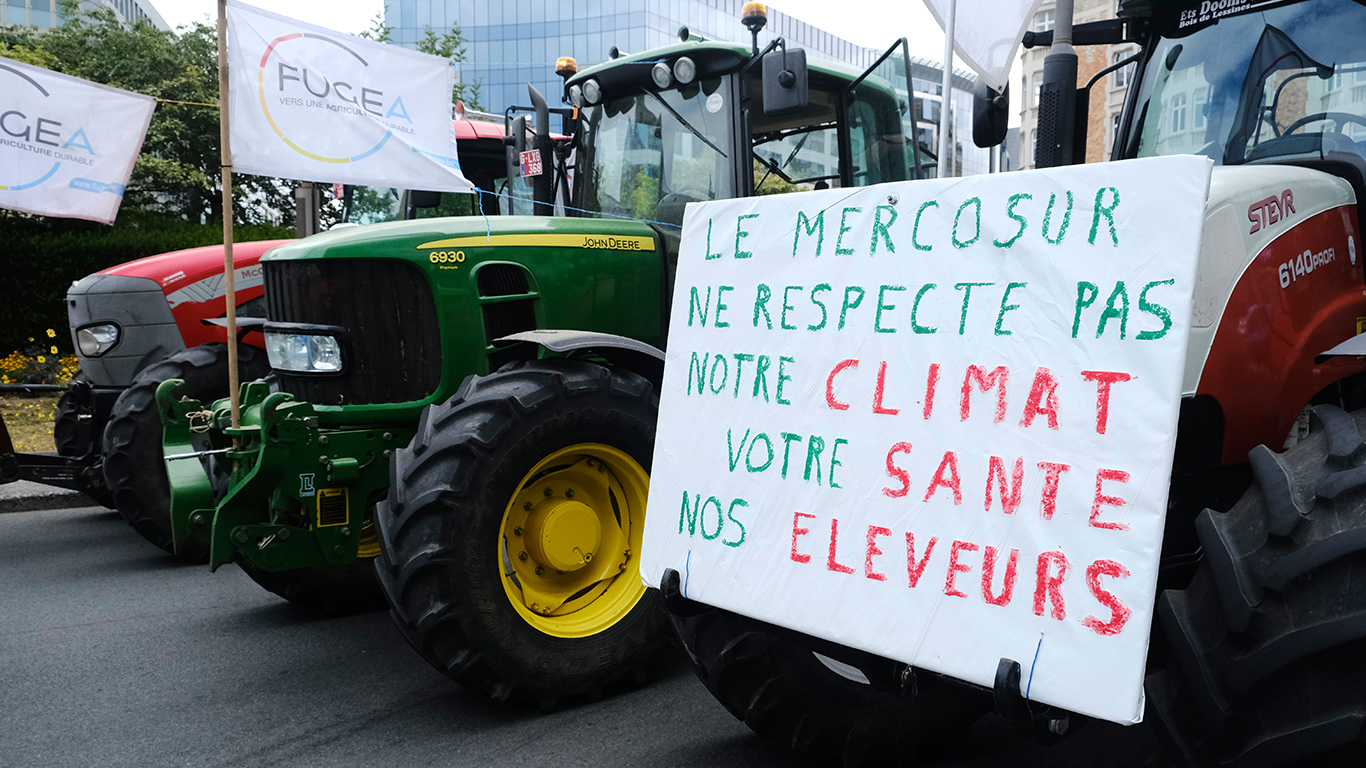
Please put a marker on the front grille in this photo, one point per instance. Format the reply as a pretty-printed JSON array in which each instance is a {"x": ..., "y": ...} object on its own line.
[{"x": 393, "y": 346}]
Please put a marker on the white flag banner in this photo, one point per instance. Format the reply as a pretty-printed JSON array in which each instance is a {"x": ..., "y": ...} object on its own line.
[
  {"x": 987, "y": 35},
  {"x": 309, "y": 103},
  {"x": 934, "y": 420},
  {"x": 67, "y": 145}
]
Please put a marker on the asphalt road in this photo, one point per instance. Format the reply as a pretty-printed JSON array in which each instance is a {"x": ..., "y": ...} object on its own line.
[{"x": 112, "y": 654}]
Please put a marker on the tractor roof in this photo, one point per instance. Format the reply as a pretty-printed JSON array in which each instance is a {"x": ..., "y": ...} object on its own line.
[{"x": 712, "y": 57}]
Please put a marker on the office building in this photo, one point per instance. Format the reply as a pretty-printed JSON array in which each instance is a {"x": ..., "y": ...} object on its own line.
[{"x": 45, "y": 14}]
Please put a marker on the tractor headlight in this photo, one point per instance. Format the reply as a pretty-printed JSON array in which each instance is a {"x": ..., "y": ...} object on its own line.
[
  {"x": 576, "y": 96},
  {"x": 661, "y": 75},
  {"x": 592, "y": 92},
  {"x": 685, "y": 70},
  {"x": 95, "y": 340},
  {"x": 311, "y": 349}
]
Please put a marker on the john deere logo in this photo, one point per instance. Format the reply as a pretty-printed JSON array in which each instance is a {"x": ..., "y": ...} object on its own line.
[
  {"x": 306, "y": 484},
  {"x": 298, "y": 93},
  {"x": 45, "y": 141}
]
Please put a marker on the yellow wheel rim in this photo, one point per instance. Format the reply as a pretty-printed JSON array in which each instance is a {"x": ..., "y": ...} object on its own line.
[
  {"x": 569, "y": 539},
  {"x": 369, "y": 539}
]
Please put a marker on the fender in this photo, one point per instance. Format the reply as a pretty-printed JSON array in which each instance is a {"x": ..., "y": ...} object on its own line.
[
  {"x": 635, "y": 356},
  {"x": 1267, "y": 358}
]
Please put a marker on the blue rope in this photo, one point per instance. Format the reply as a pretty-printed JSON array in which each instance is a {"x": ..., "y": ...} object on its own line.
[
  {"x": 1032, "y": 664},
  {"x": 687, "y": 564}
]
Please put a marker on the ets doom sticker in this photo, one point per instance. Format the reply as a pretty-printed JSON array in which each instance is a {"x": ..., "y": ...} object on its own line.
[{"x": 934, "y": 420}]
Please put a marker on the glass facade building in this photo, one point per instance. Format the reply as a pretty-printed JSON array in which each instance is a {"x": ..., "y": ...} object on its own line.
[
  {"x": 510, "y": 44},
  {"x": 515, "y": 43},
  {"x": 44, "y": 14}
]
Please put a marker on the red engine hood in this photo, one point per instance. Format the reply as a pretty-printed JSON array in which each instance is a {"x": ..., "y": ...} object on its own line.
[{"x": 170, "y": 270}]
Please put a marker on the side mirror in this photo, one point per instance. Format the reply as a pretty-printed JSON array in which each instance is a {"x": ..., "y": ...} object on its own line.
[
  {"x": 785, "y": 88},
  {"x": 421, "y": 198},
  {"x": 990, "y": 115}
]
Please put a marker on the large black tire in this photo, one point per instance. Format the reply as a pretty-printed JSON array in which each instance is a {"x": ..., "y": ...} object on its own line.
[
  {"x": 76, "y": 435},
  {"x": 443, "y": 530},
  {"x": 787, "y": 694},
  {"x": 133, "y": 466},
  {"x": 1268, "y": 643}
]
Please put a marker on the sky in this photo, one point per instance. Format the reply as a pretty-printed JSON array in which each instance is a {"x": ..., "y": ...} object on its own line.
[
  {"x": 892, "y": 20},
  {"x": 905, "y": 17}
]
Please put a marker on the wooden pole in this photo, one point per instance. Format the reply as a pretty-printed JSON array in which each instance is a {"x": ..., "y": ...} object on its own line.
[{"x": 229, "y": 267}]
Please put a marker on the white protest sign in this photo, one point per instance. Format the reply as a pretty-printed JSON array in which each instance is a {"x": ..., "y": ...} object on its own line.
[
  {"x": 67, "y": 145},
  {"x": 934, "y": 420},
  {"x": 310, "y": 103}
]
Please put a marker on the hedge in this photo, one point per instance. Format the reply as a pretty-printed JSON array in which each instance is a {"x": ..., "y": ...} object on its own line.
[{"x": 40, "y": 259}]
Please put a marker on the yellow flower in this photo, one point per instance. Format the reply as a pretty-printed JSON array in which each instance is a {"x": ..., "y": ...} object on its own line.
[
  {"x": 42, "y": 359},
  {"x": 51, "y": 334},
  {"x": 54, "y": 350},
  {"x": 30, "y": 338}
]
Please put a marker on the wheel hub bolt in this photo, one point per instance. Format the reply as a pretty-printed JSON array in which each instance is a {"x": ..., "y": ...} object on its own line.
[
  {"x": 540, "y": 571},
  {"x": 526, "y": 506},
  {"x": 569, "y": 494},
  {"x": 549, "y": 492},
  {"x": 521, "y": 556},
  {"x": 198, "y": 519},
  {"x": 589, "y": 462},
  {"x": 517, "y": 531}
]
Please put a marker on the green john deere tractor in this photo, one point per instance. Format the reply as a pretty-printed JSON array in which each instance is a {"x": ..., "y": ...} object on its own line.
[{"x": 465, "y": 408}]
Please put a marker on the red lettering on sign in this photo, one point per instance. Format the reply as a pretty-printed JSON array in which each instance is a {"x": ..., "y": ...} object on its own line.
[
  {"x": 897, "y": 472},
  {"x": 1119, "y": 612},
  {"x": 1010, "y": 498},
  {"x": 1048, "y": 586},
  {"x": 877, "y": 393},
  {"x": 1103, "y": 381},
  {"x": 931, "y": 381},
  {"x": 798, "y": 531},
  {"x": 985, "y": 381},
  {"x": 916, "y": 568},
  {"x": 830, "y": 385},
  {"x": 1050, "y": 486},
  {"x": 956, "y": 567},
  {"x": 1043, "y": 399},
  {"x": 989, "y": 575},
  {"x": 830, "y": 558},
  {"x": 1101, "y": 500},
  {"x": 949, "y": 462},
  {"x": 871, "y": 550}
]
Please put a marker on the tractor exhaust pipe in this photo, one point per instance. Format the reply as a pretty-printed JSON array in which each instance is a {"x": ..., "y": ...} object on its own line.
[
  {"x": 1058, "y": 96},
  {"x": 544, "y": 186}
]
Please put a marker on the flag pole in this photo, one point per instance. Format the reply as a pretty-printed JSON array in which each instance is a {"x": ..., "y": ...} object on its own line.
[
  {"x": 946, "y": 99},
  {"x": 229, "y": 268}
]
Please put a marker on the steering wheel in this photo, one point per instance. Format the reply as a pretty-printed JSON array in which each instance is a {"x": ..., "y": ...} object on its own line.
[{"x": 1337, "y": 117}]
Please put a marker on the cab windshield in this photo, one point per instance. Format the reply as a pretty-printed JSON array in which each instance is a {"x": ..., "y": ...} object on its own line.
[
  {"x": 1286, "y": 81},
  {"x": 646, "y": 155}
]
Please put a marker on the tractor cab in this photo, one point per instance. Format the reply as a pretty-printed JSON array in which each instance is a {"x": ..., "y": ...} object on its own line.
[
  {"x": 1281, "y": 86},
  {"x": 706, "y": 120}
]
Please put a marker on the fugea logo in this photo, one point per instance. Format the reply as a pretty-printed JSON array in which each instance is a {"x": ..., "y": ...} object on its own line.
[
  {"x": 44, "y": 141},
  {"x": 299, "y": 91}
]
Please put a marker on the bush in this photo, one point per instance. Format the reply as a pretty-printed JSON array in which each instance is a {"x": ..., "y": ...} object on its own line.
[
  {"x": 38, "y": 364},
  {"x": 41, "y": 258}
]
